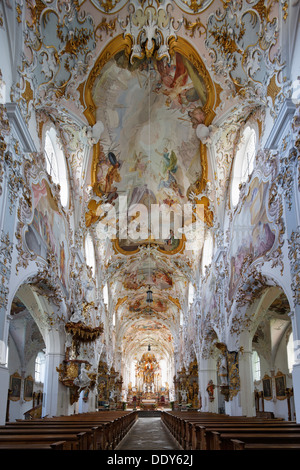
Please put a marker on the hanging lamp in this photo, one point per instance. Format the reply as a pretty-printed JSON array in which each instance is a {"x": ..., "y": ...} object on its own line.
[{"x": 149, "y": 296}]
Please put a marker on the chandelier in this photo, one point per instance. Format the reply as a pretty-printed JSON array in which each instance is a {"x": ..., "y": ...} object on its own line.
[{"x": 149, "y": 296}]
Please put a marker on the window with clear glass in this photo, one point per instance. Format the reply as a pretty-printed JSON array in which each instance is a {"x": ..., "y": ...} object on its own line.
[
  {"x": 243, "y": 162},
  {"x": 56, "y": 164},
  {"x": 191, "y": 293},
  {"x": 40, "y": 364},
  {"x": 207, "y": 251},
  {"x": 105, "y": 294},
  {"x": 256, "y": 365}
]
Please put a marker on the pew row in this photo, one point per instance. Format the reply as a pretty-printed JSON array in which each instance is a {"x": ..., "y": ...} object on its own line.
[
  {"x": 84, "y": 431},
  {"x": 212, "y": 431}
]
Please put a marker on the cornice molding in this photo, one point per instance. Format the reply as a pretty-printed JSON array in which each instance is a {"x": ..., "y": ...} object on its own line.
[
  {"x": 19, "y": 126},
  {"x": 284, "y": 117}
]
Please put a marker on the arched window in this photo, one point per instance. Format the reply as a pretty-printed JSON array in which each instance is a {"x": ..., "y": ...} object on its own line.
[
  {"x": 40, "y": 364},
  {"x": 243, "y": 162},
  {"x": 290, "y": 353},
  {"x": 90, "y": 253},
  {"x": 56, "y": 164},
  {"x": 207, "y": 252},
  {"x": 256, "y": 365}
]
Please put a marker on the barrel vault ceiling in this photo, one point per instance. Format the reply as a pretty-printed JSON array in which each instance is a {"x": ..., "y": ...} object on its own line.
[{"x": 168, "y": 86}]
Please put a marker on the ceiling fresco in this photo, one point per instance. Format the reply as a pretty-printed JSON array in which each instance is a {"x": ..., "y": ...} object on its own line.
[
  {"x": 149, "y": 274},
  {"x": 149, "y": 149}
]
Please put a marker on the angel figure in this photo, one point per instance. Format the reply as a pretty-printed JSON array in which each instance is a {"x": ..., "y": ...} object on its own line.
[
  {"x": 83, "y": 380},
  {"x": 170, "y": 167}
]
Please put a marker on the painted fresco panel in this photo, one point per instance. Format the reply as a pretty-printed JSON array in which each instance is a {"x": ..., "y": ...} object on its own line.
[
  {"x": 149, "y": 149},
  {"x": 252, "y": 234},
  {"x": 47, "y": 233}
]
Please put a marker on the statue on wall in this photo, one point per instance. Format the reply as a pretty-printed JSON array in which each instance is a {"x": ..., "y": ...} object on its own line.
[
  {"x": 222, "y": 364},
  {"x": 228, "y": 371},
  {"x": 210, "y": 390},
  {"x": 183, "y": 396}
]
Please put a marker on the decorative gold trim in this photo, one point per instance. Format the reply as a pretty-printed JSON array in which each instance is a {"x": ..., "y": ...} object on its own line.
[
  {"x": 120, "y": 43},
  {"x": 120, "y": 302},
  {"x": 273, "y": 89},
  {"x": 107, "y": 6},
  {"x": 116, "y": 45},
  {"x": 82, "y": 332},
  {"x": 175, "y": 301},
  {"x": 193, "y": 5},
  {"x": 118, "y": 249}
]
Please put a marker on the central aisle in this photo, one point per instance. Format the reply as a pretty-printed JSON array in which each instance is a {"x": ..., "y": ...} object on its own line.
[{"x": 148, "y": 434}]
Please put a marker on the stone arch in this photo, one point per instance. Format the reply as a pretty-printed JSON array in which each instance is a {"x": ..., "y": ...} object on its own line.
[
  {"x": 252, "y": 299},
  {"x": 40, "y": 297},
  {"x": 263, "y": 291}
]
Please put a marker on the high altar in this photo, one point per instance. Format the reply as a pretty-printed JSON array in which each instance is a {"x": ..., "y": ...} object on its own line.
[{"x": 149, "y": 391}]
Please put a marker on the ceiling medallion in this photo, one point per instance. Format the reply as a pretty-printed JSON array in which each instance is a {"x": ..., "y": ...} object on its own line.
[
  {"x": 193, "y": 6},
  {"x": 150, "y": 29},
  {"x": 109, "y": 6}
]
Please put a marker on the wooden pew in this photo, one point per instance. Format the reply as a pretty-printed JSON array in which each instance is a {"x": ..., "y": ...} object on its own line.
[
  {"x": 72, "y": 441},
  {"x": 94, "y": 434},
  {"x": 87, "y": 441},
  {"x": 60, "y": 445},
  {"x": 183, "y": 425},
  {"x": 203, "y": 433},
  {"x": 98, "y": 430},
  {"x": 241, "y": 445},
  {"x": 115, "y": 425},
  {"x": 223, "y": 441},
  {"x": 194, "y": 430}
]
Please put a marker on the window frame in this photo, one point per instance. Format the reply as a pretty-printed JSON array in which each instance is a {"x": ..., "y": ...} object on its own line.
[
  {"x": 51, "y": 138},
  {"x": 208, "y": 238},
  {"x": 42, "y": 366},
  {"x": 256, "y": 371},
  {"x": 239, "y": 175}
]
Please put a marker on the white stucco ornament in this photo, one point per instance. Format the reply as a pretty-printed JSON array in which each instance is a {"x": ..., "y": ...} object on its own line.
[
  {"x": 202, "y": 132},
  {"x": 150, "y": 29},
  {"x": 205, "y": 133},
  {"x": 92, "y": 134}
]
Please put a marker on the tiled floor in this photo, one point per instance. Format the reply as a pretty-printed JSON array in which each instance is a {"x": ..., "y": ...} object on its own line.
[{"x": 148, "y": 434}]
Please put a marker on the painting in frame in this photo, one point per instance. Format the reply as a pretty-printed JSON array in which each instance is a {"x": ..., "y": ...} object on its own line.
[
  {"x": 15, "y": 387},
  {"x": 28, "y": 388},
  {"x": 280, "y": 386},
  {"x": 267, "y": 387}
]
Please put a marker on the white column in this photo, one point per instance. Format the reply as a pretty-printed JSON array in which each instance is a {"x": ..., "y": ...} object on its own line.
[
  {"x": 247, "y": 401},
  {"x": 295, "y": 316},
  {"x": 207, "y": 371},
  {"x": 4, "y": 386},
  {"x": 89, "y": 404},
  {"x": 4, "y": 372},
  {"x": 55, "y": 400}
]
